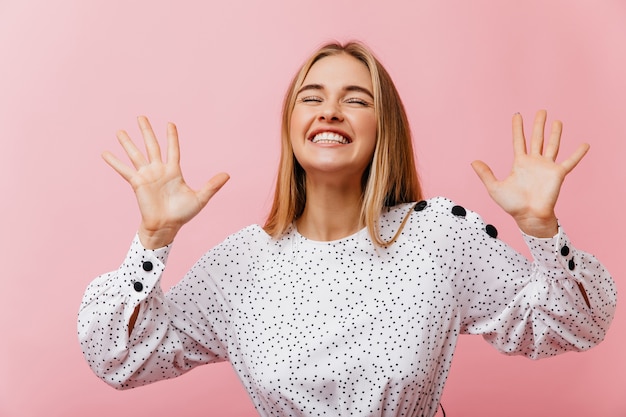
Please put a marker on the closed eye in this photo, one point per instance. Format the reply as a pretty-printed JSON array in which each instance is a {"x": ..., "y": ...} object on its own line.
[
  {"x": 311, "y": 99},
  {"x": 355, "y": 100}
]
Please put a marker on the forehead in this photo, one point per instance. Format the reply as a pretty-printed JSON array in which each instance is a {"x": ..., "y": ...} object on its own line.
[{"x": 339, "y": 70}]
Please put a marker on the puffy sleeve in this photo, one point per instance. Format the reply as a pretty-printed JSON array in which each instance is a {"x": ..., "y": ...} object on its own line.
[
  {"x": 168, "y": 338},
  {"x": 562, "y": 299}
]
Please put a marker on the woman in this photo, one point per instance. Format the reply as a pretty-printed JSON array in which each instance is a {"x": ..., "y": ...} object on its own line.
[{"x": 350, "y": 300}]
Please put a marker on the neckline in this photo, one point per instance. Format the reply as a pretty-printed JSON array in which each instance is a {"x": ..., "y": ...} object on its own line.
[{"x": 303, "y": 238}]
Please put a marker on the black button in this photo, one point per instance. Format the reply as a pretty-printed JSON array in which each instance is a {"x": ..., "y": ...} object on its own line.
[
  {"x": 421, "y": 205},
  {"x": 565, "y": 250},
  {"x": 571, "y": 265},
  {"x": 459, "y": 211},
  {"x": 138, "y": 286},
  {"x": 147, "y": 266},
  {"x": 491, "y": 231}
]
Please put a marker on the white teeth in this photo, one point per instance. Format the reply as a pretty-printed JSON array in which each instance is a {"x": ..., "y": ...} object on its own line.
[{"x": 329, "y": 137}]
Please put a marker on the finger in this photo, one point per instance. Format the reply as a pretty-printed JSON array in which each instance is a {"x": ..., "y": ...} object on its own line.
[
  {"x": 134, "y": 154},
  {"x": 536, "y": 141},
  {"x": 211, "y": 187},
  {"x": 149, "y": 139},
  {"x": 570, "y": 163},
  {"x": 552, "y": 147},
  {"x": 484, "y": 173},
  {"x": 119, "y": 167},
  {"x": 173, "y": 147},
  {"x": 519, "y": 142}
]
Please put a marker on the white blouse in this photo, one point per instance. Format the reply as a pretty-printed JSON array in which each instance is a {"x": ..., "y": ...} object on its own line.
[{"x": 346, "y": 328}]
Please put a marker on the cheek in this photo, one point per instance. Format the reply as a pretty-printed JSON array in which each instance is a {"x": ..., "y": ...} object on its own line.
[
  {"x": 295, "y": 131},
  {"x": 370, "y": 130},
  {"x": 364, "y": 122},
  {"x": 298, "y": 119}
]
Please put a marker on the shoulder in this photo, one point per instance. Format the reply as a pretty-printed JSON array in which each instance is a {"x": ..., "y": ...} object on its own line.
[
  {"x": 433, "y": 208},
  {"x": 249, "y": 235},
  {"x": 437, "y": 217},
  {"x": 250, "y": 241},
  {"x": 248, "y": 238},
  {"x": 240, "y": 254}
]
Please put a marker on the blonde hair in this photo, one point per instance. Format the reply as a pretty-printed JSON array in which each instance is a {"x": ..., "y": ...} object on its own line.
[{"x": 390, "y": 178}]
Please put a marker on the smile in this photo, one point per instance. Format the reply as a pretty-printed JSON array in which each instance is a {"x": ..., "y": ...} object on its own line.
[{"x": 330, "y": 137}]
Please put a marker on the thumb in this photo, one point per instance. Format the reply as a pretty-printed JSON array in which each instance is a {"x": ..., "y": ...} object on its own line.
[
  {"x": 212, "y": 186},
  {"x": 484, "y": 173}
]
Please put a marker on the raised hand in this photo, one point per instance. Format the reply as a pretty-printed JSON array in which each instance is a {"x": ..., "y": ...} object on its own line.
[
  {"x": 165, "y": 201},
  {"x": 531, "y": 190}
]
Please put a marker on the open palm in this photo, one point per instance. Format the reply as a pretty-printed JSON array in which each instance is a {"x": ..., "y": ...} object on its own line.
[
  {"x": 531, "y": 190},
  {"x": 165, "y": 200}
]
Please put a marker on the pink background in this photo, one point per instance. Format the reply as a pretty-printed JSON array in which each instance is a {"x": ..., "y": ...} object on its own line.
[{"x": 73, "y": 72}]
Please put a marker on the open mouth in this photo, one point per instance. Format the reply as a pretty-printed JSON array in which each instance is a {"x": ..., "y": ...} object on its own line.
[{"x": 330, "y": 137}]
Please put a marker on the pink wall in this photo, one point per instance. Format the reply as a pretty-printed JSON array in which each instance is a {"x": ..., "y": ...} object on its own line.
[{"x": 73, "y": 72}]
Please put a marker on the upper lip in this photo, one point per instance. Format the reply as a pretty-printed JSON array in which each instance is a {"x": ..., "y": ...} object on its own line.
[{"x": 322, "y": 130}]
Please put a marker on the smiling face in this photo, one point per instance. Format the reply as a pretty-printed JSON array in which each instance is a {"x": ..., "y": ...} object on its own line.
[
  {"x": 390, "y": 178},
  {"x": 333, "y": 123}
]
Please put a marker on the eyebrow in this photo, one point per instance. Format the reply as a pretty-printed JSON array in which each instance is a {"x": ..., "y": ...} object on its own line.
[{"x": 346, "y": 88}]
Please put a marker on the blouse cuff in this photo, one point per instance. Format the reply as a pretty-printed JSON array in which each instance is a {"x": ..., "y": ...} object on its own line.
[
  {"x": 141, "y": 270},
  {"x": 555, "y": 255}
]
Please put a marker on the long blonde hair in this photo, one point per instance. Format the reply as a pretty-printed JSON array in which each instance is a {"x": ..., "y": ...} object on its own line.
[{"x": 391, "y": 177}]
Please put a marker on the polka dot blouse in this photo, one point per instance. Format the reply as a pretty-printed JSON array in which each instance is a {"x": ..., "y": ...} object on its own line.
[{"x": 346, "y": 328}]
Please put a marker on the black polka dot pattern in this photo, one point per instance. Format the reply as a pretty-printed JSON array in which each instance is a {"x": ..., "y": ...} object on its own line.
[{"x": 345, "y": 328}]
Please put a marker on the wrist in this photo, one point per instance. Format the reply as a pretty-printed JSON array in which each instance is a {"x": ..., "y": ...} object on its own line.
[
  {"x": 155, "y": 239},
  {"x": 539, "y": 227}
]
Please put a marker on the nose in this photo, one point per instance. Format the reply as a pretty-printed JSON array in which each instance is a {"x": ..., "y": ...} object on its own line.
[{"x": 330, "y": 112}]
